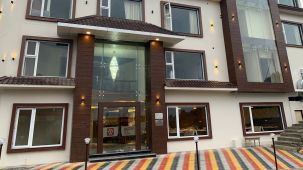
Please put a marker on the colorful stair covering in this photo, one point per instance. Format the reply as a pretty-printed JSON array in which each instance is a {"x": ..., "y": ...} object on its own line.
[{"x": 259, "y": 158}]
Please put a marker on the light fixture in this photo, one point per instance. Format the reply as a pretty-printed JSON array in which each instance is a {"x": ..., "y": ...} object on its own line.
[
  {"x": 157, "y": 39},
  {"x": 0, "y": 11},
  {"x": 157, "y": 100},
  {"x": 82, "y": 101},
  {"x": 216, "y": 66},
  {"x": 212, "y": 25},
  {"x": 277, "y": 23},
  {"x": 240, "y": 64},
  {"x": 88, "y": 32},
  {"x": 114, "y": 67},
  {"x": 233, "y": 17},
  {"x": 3, "y": 60},
  {"x": 285, "y": 67},
  {"x": 12, "y": 1}
]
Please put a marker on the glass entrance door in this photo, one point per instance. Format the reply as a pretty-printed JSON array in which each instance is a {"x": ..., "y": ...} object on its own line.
[{"x": 119, "y": 127}]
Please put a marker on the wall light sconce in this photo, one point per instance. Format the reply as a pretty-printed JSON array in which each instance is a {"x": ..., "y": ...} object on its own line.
[
  {"x": 239, "y": 64},
  {"x": 285, "y": 67},
  {"x": 277, "y": 23},
  {"x": 1, "y": 11},
  {"x": 12, "y": 1},
  {"x": 233, "y": 17},
  {"x": 82, "y": 101},
  {"x": 212, "y": 25},
  {"x": 3, "y": 60},
  {"x": 13, "y": 58},
  {"x": 158, "y": 100},
  {"x": 216, "y": 66}
]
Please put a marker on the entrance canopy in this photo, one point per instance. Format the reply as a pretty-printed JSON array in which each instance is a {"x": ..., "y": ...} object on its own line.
[{"x": 116, "y": 29}]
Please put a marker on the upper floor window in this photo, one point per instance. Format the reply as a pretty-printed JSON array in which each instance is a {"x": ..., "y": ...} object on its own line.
[
  {"x": 262, "y": 118},
  {"x": 292, "y": 33},
  {"x": 292, "y": 3},
  {"x": 60, "y": 9},
  {"x": 126, "y": 9},
  {"x": 182, "y": 19},
  {"x": 45, "y": 58},
  {"x": 184, "y": 65}
]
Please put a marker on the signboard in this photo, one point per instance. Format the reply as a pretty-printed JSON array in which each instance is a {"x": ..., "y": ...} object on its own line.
[
  {"x": 110, "y": 131},
  {"x": 128, "y": 130},
  {"x": 159, "y": 116}
]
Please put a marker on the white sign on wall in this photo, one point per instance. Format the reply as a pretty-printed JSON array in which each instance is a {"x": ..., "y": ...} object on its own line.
[
  {"x": 128, "y": 130},
  {"x": 110, "y": 131}
]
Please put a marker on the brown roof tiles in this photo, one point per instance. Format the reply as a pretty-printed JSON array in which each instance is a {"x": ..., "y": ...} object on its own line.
[
  {"x": 199, "y": 84},
  {"x": 50, "y": 81}
]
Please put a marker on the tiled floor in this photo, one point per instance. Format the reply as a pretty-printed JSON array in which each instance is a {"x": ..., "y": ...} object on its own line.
[{"x": 259, "y": 158}]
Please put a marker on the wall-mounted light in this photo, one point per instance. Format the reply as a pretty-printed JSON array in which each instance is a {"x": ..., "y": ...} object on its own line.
[
  {"x": 233, "y": 17},
  {"x": 277, "y": 23},
  {"x": 285, "y": 67},
  {"x": 212, "y": 25},
  {"x": 12, "y": 1},
  {"x": 239, "y": 64},
  {"x": 3, "y": 60},
  {"x": 88, "y": 33},
  {"x": 157, "y": 39},
  {"x": 1, "y": 11},
  {"x": 82, "y": 101},
  {"x": 216, "y": 66},
  {"x": 157, "y": 100}
]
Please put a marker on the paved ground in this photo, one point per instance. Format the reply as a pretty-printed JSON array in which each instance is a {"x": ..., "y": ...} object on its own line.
[{"x": 259, "y": 158}]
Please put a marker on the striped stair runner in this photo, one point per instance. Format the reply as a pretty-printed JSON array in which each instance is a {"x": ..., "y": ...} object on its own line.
[{"x": 259, "y": 158}]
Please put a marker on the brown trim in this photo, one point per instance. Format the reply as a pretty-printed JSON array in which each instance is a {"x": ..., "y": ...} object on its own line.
[
  {"x": 202, "y": 52},
  {"x": 234, "y": 51},
  {"x": 101, "y": 106},
  {"x": 290, "y": 8},
  {"x": 261, "y": 104},
  {"x": 185, "y": 6},
  {"x": 22, "y": 51},
  {"x": 48, "y": 19},
  {"x": 209, "y": 136},
  {"x": 143, "y": 9},
  {"x": 36, "y": 105}
]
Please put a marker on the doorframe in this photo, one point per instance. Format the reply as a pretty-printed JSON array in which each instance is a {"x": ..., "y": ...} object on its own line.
[{"x": 101, "y": 106}]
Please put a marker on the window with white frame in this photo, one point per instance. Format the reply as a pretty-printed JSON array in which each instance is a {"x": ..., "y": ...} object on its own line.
[
  {"x": 45, "y": 59},
  {"x": 126, "y": 9},
  {"x": 291, "y": 3},
  {"x": 184, "y": 65},
  {"x": 60, "y": 9},
  {"x": 292, "y": 33},
  {"x": 181, "y": 19},
  {"x": 260, "y": 118},
  {"x": 188, "y": 121},
  {"x": 38, "y": 127}
]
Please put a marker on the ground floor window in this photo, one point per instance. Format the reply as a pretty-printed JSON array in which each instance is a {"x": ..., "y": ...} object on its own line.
[
  {"x": 262, "y": 118},
  {"x": 188, "y": 120},
  {"x": 38, "y": 126}
]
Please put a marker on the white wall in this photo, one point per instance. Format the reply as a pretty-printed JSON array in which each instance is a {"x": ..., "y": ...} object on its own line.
[
  {"x": 225, "y": 116},
  {"x": 7, "y": 99}
]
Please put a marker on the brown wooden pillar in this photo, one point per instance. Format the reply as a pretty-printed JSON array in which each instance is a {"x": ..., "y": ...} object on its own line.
[
  {"x": 82, "y": 92},
  {"x": 157, "y": 98}
]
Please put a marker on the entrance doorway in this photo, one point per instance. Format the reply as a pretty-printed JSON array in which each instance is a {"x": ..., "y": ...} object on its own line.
[{"x": 119, "y": 127}]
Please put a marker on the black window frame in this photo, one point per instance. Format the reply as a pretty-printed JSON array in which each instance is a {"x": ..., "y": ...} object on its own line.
[{"x": 300, "y": 31}]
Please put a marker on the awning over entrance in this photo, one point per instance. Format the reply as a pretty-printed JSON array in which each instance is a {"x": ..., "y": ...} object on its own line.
[{"x": 116, "y": 29}]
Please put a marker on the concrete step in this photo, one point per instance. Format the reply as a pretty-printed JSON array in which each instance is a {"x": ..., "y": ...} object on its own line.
[
  {"x": 290, "y": 139},
  {"x": 293, "y": 129},
  {"x": 289, "y": 143},
  {"x": 298, "y": 125},
  {"x": 285, "y": 147},
  {"x": 292, "y": 134}
]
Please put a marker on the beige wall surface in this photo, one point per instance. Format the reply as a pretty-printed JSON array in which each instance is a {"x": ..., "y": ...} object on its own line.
[
  {"x": 13, "y": 26},
  {"x": 225, "y": 116},
  {"x": 7, "y": 99}
]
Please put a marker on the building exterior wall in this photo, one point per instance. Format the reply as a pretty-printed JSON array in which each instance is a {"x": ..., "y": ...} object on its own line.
[{"x": 10, "y": 96}]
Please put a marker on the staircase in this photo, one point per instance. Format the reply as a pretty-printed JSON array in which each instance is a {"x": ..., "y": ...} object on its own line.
[
  {"x": 292, "y": 138},
  {"x": 121, "y": 156}
]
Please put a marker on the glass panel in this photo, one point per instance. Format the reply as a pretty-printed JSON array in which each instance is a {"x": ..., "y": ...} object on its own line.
[
  {"x": 167, "y": 16},
  {"x": 292, "y": 34},
  {"x": 29, "y": 66},
  {"x": 105, "y": 12},
  {"x": 288, "y": 2},
  {"x": 31, "y": 47},
  {"x": 248, "y": 127},
  {"x": 105, "y": 3},
  {"x": 188, "y": 65},
  {"x": 143, "y": 119},
  {"x": 36, "y": 8},
  {"x": 52, "y": 59},
  {"x": 48, "y": 127},
  {"x": 57, "y": 9},
  {"x": 24, "y": 121},
  {"x": 119, "y": 129},
  {"x": 94, "y": 131},
  {"x": 267, "y": 118},
  {"x": 172, "y": 121},
  {"x": 119, "y": 73},
  {"x": 168, "y": 57},
  {"x": 133, "y": 10},
  {"x": 192, "y": 120},
  {"x": 258, "y": 41},
  {"x": 117, "y": 9},
  {"x": 169, "y": 72},
  {"x": 185, "y": 20}
]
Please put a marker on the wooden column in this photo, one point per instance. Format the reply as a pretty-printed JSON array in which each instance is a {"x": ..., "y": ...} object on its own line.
[
  {"x": 82, "y": 111},
  {"x": 157, "y": 80}
]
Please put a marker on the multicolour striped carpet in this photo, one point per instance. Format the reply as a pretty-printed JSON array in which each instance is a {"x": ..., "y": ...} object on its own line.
[{"x": 259, "y": 158}]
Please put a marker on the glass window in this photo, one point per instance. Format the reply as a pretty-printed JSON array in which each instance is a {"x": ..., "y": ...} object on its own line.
[
  {"x": 48, "y": 59},
  {"x": 187, "y": 121},
  {"x": 292, "y": 3},
  {"x": 36, "y": 127},
  {"x": 181, "y": 19},
  {"x": 126, "y": 9},
  {"x": 292, "y": 33},
  {"x": 258, "y": 41},
  {"x": 184, "y": 65},
  {"x": 260, "y": 119},
  {"x": 60, "y": 9}
]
